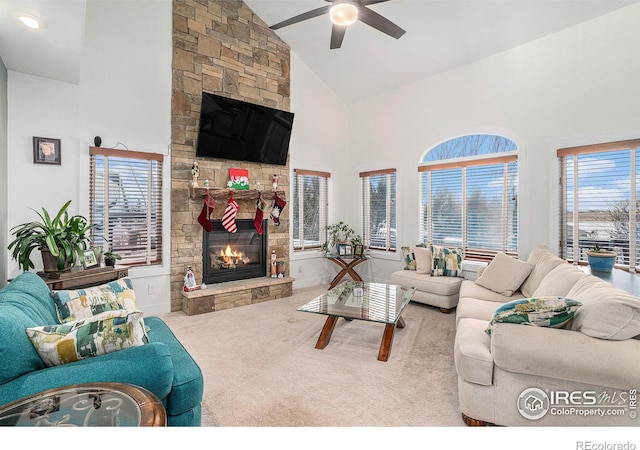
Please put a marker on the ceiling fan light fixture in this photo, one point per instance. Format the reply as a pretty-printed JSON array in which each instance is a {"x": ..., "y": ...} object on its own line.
[
  {"x": 29, "y": 21},
  {"x": 343, "y": 14}
]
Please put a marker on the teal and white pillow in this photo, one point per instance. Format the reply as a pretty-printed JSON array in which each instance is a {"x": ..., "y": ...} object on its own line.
[
  {"x": 550, "y": 311},
  {"x": 103, "y": 333},
  {"x": 408, "y": 258},
  {"x": 81, "y": 303},
  {"x": 447, "y": 262}
]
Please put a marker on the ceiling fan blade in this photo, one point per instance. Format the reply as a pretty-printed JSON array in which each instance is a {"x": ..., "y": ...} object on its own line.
[
  {"x": 304, "y": 16},
  {"x": 375, "y": 20},
  {"x": 373, "y": 2},
  {"x": 337, "y": 35}
]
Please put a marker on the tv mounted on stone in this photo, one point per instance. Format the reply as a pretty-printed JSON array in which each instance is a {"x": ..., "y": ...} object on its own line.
[{"x": 241, "y": 131}]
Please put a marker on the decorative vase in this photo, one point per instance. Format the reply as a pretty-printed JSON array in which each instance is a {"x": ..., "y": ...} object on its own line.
[
  {"x": 601, "y": 261},
  {"x": 281, "y": 268},
  {"x": 109, "y": 261}
]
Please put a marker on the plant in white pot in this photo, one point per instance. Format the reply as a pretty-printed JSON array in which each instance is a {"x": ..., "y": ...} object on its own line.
[
  {"x": 61, "y": 240},
  {"x": 601, "y": 260}
]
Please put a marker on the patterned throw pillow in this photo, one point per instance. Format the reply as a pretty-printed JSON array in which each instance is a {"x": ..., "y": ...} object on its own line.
[
  {"x": 551, "y": 311},
  {"x": 447, "y": 262},
  {"x": 82, "y": 303},
  {"x": 409, "y": 258},
  {"x": 103, "y": 333}
]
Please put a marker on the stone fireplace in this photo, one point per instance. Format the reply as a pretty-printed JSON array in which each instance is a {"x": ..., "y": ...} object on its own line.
[
  {"x": 223, "y": 48},
  {"x": 233, "y": 256}
]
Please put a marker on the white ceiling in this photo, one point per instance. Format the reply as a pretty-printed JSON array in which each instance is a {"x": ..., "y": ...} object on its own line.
[{"x": 440, "y": 35}]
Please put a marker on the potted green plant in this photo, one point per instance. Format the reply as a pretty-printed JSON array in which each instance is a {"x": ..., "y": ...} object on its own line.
[
  {"x": 340, "y": 233},
  {"x": 601, "y": 260},
  {"x": 61, "y": 240},
  {"x": 110, "y": 258}
]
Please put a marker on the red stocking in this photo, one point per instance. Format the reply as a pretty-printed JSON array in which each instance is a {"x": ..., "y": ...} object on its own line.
[
  {"x": 229, "y": 217},
  {"x": 261, "y": 205},
  {"x": 205, "y": 215}
]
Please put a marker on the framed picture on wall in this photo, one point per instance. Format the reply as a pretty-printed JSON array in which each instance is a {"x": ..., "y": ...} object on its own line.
[{"x": 46, "y": 151}]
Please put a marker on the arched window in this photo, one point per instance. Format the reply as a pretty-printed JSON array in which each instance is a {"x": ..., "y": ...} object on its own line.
[{"x": 469, "y": 195}]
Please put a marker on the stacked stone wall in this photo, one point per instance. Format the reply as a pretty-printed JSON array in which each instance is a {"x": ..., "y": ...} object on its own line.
[{"x": 220, "y": 47}]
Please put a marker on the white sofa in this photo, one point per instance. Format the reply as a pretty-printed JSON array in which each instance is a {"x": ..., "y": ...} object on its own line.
[{"x": 585, "y": 373}]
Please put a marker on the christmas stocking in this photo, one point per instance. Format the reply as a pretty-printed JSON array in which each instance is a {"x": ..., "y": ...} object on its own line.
[
  {"x": 278, "y": 206},
  {"x": 205, "y": 215},
  {"x": 261, "y": 205},
  {"x": 229, "y": 217}
]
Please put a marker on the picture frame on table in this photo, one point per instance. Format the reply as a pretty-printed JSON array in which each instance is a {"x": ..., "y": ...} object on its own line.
[
  {"x": 46, "y": 151},
  {"x": 89, "y": 259},
  {"x": 358, "y": 251},
  {"x": 344, "y": 250}
]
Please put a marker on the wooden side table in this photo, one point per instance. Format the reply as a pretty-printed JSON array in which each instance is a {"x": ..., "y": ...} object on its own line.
[
  {"x": 347, "y": 266},
  {"x": 87, "y": 405},
  {"x": 78, "y": 278}
]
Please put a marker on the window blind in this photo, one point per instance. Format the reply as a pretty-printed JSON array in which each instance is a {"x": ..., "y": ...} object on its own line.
[
  {"x": 379, "y": 209},
  {"x": 126, "y": 203},
  {"x": 310, "y": 204},
  {"x": 471, "y": 204},
  {"x": 599, "y": 201}
]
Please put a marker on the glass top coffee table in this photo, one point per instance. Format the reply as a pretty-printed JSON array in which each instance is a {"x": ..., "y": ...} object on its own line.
[{"x": 372, "y": 302}]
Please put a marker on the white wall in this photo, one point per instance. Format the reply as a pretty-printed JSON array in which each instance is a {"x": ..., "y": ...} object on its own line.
[
  {"x": 124, "y": 95},
  {"x": 318, "y": 142},
  {"x": 3, "y": 175},
  {"x": 575, "y": 87}
]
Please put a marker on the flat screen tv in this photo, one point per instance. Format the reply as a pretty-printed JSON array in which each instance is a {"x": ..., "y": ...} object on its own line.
[{"x": 242, "y": 131}]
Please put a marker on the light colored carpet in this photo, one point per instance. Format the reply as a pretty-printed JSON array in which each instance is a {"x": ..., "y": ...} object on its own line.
[{"x": 261, "y": 368}]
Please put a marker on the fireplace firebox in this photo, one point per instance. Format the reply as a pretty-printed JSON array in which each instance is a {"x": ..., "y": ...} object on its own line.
[{"x": 234, "y": 256}]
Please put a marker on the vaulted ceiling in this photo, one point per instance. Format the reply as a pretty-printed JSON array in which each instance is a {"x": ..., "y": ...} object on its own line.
[{"x": 440, "y": 35}]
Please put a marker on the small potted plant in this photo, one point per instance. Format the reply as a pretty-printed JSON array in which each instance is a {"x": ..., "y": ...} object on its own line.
[
  {"x": 61, "y": 240},
  {"x": 339, "y": 233},
  {"x": 601, "y": 260},
  {"x": 110, "y": 258}
]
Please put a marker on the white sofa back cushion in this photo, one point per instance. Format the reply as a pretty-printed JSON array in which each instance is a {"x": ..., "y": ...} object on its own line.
[
  {"x": 607, "y": 312},
  {"x": 504, "y": 274},
  {"x": 543, "y": 262},
  {"x": 559, "y": 281},
  {"x": 424, "y": 259}
]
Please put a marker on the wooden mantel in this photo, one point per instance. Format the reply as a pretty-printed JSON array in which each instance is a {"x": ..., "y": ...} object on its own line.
[{"x": 238, "y": 194}]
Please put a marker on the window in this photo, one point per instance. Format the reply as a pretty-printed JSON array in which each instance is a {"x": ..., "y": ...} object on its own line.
[
  {"x": 127, "y": 209},
  {"x": 599, "y": 201},
  {"x": 471, "y": 202},
  {"x": 309, "y": 208},
  {"x": 379, "y": 209}
]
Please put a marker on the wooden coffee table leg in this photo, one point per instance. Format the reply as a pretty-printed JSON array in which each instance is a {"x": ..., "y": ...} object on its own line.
[
  {"x": 387, "y": 340},
  {"x": 327, "y": 331}
]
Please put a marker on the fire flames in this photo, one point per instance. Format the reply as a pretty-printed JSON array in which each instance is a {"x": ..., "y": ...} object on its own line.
[{"x": 231, "y": 257}]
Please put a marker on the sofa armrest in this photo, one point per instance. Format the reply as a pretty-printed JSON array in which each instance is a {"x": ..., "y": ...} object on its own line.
[
  {"x": 566, "y": 355},
  {"x": 148, "y": 366}
]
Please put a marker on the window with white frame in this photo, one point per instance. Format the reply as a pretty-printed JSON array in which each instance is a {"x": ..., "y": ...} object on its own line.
[
  {"x": 599, "y": 201},
  {"x": 379, "y": 209},
  {"x": 126, "y": 204},
  {"x": 469, "y": 195},
  {"x": 310, "y": 205}
]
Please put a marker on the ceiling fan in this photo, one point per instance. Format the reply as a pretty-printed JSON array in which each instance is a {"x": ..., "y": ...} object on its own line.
[{"x": 345, "y": 12}]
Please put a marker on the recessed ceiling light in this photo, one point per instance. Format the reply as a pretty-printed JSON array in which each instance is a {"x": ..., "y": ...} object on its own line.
[{"x": 29, "y": 21}]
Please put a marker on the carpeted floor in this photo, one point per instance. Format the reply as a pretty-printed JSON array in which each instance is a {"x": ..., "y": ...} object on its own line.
[{"x": 261, "y": 368}]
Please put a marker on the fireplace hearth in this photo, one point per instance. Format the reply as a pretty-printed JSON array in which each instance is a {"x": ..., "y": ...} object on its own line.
[{"x": 234, "y": 256}]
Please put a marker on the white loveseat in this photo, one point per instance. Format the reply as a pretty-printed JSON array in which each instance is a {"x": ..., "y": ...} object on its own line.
[{"x": 586, "y": 373}]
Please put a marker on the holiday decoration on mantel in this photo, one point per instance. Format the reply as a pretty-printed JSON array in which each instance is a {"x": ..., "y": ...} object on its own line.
[
  {"x": 238, "y": 179},
  {"x": 278, "y": 206},
  {"x": 229, "y": 216},
  {"x": 205, "y": 215},
  {"x": 261, "y": 206}
]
